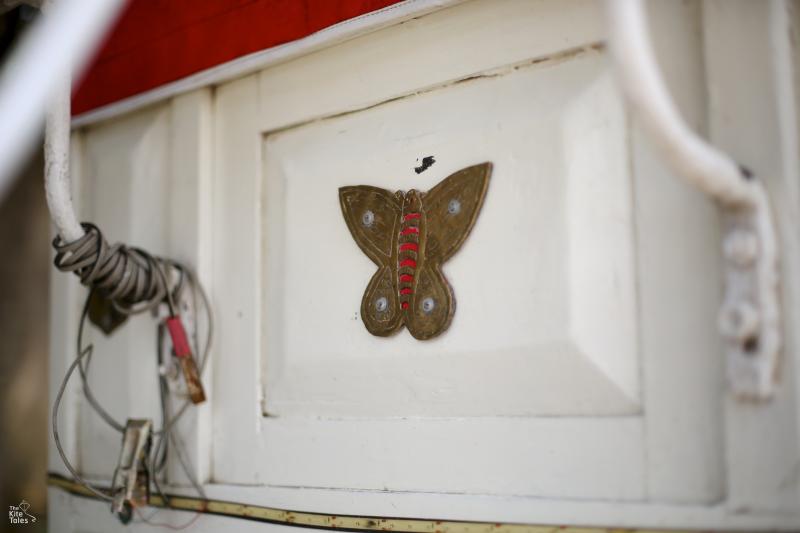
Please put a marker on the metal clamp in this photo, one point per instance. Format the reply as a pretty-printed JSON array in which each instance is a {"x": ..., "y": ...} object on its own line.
[{"x": 130, "y": 486}]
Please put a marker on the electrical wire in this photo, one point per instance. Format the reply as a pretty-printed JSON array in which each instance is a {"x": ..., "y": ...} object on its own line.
[
  {"x": 130, "y": 278},
  {"x": 148, "y": 520},
  {"x": 134, "y": 281},
  {"x": 56, "y": 437}
]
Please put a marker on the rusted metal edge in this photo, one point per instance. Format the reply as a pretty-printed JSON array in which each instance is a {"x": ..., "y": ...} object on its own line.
[{"x": 345, "y": 522}]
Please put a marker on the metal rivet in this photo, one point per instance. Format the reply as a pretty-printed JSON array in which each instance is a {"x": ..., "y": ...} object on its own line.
[
  {"x": 368, "y": 218},
  {"x": 381, "y": 304},
  {"x": 454, "y": 207},
  {"x": 428, "y": 304}
]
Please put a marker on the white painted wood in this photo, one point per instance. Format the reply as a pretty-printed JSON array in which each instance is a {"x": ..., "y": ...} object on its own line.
[
  {"x": 303, "y": 381},
  {"x": 190, "y": 242},
  {"x": 449, "y": 45},
  {"x": 528, "y": 336},
  {"x": 149, "y": 185},
  {"x": 479, "y": 456},
  {"x": 763, "y": 450},
  {"x": 237, "y": 283},
  {"x": 235, "y": 208},
  {"x": 617, "y": 246},
  {"x": 678, "y": 243},
  {"x": 128, "y": 161}
]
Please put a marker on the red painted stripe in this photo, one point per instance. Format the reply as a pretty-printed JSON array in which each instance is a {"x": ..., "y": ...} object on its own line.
[
  {"x": 159, "y": 41},
  {"x": 404, "y": 305},
  {"x": 409, "y": 216},
  {"x": 410, "y": 229},
  {"x": 406, "y": 278},
  {"x": 406, "y": 290},
  {"x": 408, "y": 263},
  {"x": 409, "y": 246}
]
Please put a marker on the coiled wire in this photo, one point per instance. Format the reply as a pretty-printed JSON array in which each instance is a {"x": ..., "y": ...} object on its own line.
[{"x": 132, "y": 279}]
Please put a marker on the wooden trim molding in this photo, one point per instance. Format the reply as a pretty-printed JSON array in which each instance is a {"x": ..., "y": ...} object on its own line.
[
  {"x": 112, "y": 102},
  {"x": 154, "y": 43}
]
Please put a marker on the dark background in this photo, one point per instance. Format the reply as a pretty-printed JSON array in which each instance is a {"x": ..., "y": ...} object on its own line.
[{"x": 24, "y": 323}]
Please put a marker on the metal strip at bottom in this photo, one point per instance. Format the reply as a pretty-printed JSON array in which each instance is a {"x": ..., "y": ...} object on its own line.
[{"x": 345, "y": 522}]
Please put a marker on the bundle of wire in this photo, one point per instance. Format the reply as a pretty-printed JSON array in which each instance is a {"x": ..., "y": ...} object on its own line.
[{"x": 134, "y": 281}]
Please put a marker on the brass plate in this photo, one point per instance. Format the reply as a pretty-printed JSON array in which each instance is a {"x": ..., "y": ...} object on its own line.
[{"x": 409, "y": 235}]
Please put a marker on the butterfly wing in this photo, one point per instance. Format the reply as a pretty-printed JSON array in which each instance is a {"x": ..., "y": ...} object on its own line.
[
  {"x": 432, "y": 306},
  {"x": 380, "y": 308},
  {"x": 451, "y": 209},
  {"x": 373, "y": 217}
]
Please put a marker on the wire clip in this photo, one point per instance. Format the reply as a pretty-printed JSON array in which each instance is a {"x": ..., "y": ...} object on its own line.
[
  {"x": 183, "y": 352},
  {"x": 134, "y": 488},
  {"x": 749, "y": 319}
]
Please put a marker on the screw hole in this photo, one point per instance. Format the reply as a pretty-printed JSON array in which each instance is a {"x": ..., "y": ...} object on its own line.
[
  {"x": 381, "y": 304},
  {"x": 750, "y": 345},
  {"x": 454, "y": 207},
  {"x": 368, "y": 218}
]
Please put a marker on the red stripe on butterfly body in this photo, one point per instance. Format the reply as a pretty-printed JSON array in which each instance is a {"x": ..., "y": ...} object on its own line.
[{"x": 408, "y": 248}]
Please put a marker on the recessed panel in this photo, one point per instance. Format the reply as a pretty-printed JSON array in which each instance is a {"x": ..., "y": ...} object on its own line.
[{"x": 536, "y": 331}]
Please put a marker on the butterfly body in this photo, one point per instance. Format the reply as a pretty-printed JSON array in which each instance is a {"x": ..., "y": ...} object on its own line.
[{"x": 409, "y": 235}]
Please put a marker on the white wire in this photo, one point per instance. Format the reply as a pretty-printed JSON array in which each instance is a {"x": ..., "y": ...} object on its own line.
[
  {"x": 709, "y": 169},
  {"x": 57, "y": 184},
  {"x": 59, "y": 44}
]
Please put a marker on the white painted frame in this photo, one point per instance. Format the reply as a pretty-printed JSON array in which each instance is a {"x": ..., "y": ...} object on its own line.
[
  {"x": 750, "y": 482},
  {"x": 251, "y": 107}
]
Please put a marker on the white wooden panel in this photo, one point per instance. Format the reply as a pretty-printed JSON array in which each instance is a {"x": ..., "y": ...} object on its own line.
[
  {"x": 752, "y": 122},
  {"x": 445, "y": 46},
  {"x": 128, "y": 163},
  {"x": 429, "y": 446},
  {"x": 237, "y": 296},
  {"x": 523, "y": 456},
  {"x": 678, "y": 243},
  {"x": 190, "y": 242},
  {"x": 535, "y": 331},
  {"x": 696, "y": 444},
  {"x": 398, "y": 445},
  {"x": 146, "y": 183}
]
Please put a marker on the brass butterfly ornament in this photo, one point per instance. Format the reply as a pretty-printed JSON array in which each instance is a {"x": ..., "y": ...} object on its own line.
[{"x": 409, "y": 235}]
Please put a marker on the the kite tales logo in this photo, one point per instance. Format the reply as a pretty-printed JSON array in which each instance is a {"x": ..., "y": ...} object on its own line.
[{"x": 18, "y": 514}]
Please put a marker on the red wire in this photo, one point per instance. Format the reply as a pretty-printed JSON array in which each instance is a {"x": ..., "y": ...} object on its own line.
[{"x": 168, "y": 526}]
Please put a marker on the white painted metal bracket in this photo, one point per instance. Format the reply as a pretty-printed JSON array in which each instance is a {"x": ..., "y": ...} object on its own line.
[{"x": 749, "y": 318}]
